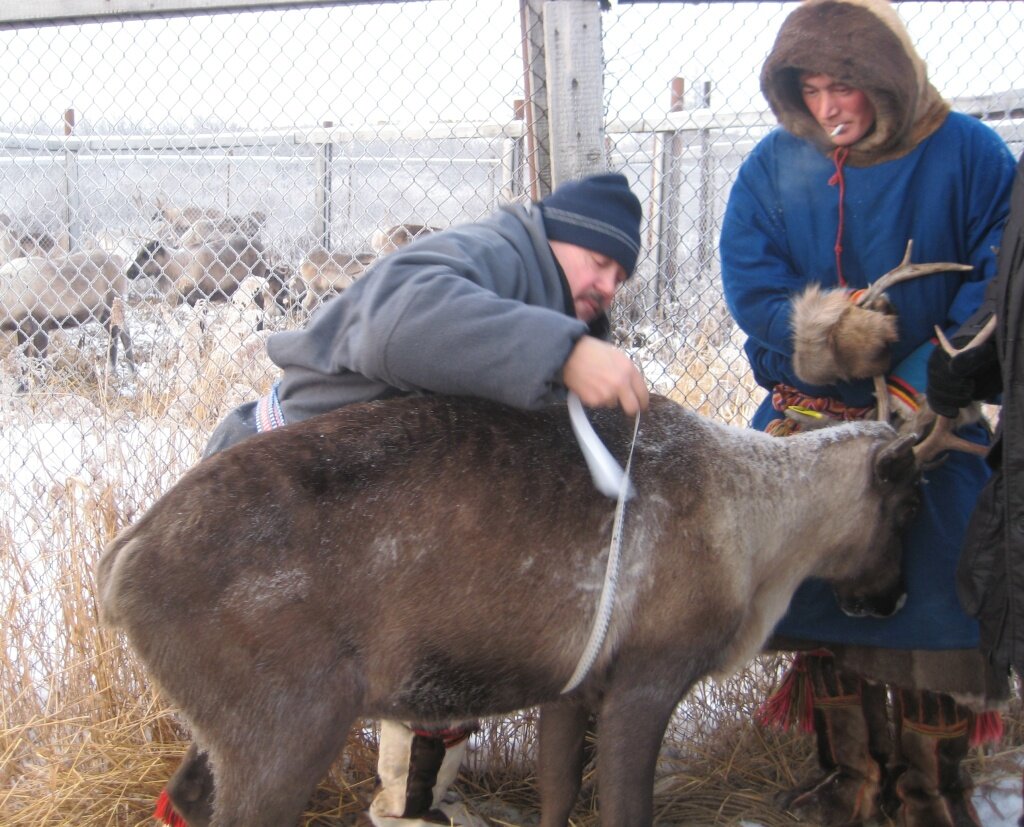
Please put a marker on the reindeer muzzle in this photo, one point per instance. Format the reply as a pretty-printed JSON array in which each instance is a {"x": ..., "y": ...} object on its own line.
[{"x": 881, "y": 605}]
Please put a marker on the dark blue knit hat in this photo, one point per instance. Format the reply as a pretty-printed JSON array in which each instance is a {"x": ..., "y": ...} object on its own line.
[{"x": 600, "y": 213}]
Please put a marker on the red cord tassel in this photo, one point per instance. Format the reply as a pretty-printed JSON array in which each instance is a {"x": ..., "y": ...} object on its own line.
[
  {"x": 166, "y": 813},
  {"x": 987, "y": 728},
  {"x": 792, "y": 703}
]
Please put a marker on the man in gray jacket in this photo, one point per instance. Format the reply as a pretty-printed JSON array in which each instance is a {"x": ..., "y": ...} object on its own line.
[
  {"x": 498, "y": 309},
  {"x": 513, "y": 309}
]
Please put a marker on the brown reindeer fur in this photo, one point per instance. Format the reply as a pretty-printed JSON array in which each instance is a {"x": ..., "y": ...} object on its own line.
[
  {"x": 834, "y": 339},
  {"x": 289, "y": 586}
]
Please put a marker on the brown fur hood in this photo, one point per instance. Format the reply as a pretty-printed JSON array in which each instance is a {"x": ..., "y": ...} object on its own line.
[{"x": 865, "y": 44}]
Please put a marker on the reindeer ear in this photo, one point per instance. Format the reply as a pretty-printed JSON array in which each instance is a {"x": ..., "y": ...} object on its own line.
[{"x": 896, "y": 460}]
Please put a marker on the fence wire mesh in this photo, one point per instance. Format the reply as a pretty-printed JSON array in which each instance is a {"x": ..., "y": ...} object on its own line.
[
  {"x": 244, "y": 143},
  {"x": 198, "y": 182}
]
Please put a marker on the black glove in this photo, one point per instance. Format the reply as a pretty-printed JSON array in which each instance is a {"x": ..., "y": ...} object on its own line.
[{"x": 956, "y": 381}]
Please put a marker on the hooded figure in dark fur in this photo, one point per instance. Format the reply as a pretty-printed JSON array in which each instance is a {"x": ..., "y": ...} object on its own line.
[
  {"x": 988, "y": 367},
  {"x": 868, "y": 157}
]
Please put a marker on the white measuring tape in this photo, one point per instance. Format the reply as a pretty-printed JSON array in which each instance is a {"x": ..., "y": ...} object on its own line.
[
  {"x": 612, "y": 481},
  {"x": 607, "y": 473}
]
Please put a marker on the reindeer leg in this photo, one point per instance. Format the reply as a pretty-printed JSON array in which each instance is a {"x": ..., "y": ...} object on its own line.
[
  {"x": 129, "y": 355},
  {"x": 20, "y": 360},
  {"x": 268, "y": 781},
  {"x": 190, "y": 789},
  {"x": 630, "y": 730},
  {"x": 561, "y": 735},
  {"x": 117, "y": 330}
]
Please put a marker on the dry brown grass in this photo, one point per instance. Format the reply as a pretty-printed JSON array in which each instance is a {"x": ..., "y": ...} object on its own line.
[{"x": 85, "y": 739}]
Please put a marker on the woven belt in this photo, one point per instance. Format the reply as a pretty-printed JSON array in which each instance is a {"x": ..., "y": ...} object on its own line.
[
  {"x": 268, "y": 411},
  {"x": 802, "y": 411}
]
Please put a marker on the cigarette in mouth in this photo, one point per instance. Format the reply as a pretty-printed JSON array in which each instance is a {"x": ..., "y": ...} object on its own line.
[{"x": 837, "y": 131}]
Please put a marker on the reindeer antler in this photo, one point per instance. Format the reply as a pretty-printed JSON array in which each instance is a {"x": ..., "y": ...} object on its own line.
[
  {"x": 884, "y": 408},
  {"x": 942, "y": 437},
  {"x": 979, "y": 338},
  {"x": 904, "y": 272}
]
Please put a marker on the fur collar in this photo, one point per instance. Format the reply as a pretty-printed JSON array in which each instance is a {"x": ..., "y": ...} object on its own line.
[{"x": 864, "y": 43}]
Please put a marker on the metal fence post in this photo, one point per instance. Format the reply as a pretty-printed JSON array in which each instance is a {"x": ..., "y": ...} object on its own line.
[
  {"x": 665, "y": 221},
  {"x": 512, "y": 159},
  {"x": 324, "y": 185},
  {"x": 70, "y": 195},
  {"x": 706, "y": 218}
]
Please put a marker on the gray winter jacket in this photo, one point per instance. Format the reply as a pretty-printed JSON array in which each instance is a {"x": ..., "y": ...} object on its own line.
[{"x": 480, "y": 309}]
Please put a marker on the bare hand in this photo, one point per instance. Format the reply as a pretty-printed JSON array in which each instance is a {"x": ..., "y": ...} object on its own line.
[{"x": 605, "y": 377}]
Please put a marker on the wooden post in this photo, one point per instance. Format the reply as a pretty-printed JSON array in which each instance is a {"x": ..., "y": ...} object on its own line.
[
  {"x": 575, "y": 75},
  {"x": 538, "y": 154},
  {"x": 678, "y": 90}
]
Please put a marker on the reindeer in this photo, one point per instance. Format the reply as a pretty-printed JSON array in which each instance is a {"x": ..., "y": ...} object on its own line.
[
  {"x": 390, "y": 239},
  {"x": 210, "y": 268},
  {"x": 176, "y": 224},
  {"x": 39, "y": 294},
  {"x": 322, "y": 275},
  {"x": 16, "y": 241},
  {"x": 281, "y": 590}
]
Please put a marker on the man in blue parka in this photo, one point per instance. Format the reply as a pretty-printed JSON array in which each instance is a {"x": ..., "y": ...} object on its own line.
[{"x": 868, "y": 158}]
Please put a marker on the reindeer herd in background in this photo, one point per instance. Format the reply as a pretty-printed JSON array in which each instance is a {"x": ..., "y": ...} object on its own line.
[
  {"x": 194, "y": 255},
  {"x": 199, "y": 255}
]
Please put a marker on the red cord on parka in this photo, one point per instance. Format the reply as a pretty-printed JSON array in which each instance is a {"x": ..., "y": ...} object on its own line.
[{"x": 839, "y": 158}]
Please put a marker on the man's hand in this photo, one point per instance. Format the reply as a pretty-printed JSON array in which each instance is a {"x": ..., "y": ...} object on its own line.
[
  {"x": 602, "y": 376},
  {"x": 956, "y": 381}
]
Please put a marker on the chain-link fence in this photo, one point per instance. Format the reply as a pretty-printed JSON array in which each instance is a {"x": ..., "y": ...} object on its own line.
[
  {"x": 199, "y": 181},
  {"x": 315, "y": 128},
  {"x": 293, "y": 131}
]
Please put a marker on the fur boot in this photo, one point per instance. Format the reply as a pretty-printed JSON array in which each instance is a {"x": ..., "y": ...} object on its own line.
[
  {"x": 415, "y": 769},
  {"x": 853, "y": 745},
  {"x": 835, "y": 339},
  {"x": 934, "y": 738}
]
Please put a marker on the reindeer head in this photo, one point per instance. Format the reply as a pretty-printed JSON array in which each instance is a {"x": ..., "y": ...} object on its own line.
[
  {"x": 872, "y": 585},
  {"x": 149, "y": 261}
]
